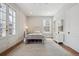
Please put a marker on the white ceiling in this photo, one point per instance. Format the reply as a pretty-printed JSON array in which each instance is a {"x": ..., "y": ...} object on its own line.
[{"x": 40, "y": 9}]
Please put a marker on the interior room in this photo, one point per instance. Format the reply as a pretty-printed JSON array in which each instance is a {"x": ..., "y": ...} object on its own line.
[{"x": 39, "y": 29}]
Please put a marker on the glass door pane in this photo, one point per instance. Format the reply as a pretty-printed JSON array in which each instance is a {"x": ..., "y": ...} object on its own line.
[
  {"x": 11, "y": 21},
  {"x": 47, "y": 25}
]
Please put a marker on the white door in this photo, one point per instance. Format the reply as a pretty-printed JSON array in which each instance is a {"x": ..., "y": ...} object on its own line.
[
  {"x": 10, "y": 23},
  {"x": 3, "y": 36},
  {"x": 7, "y": 26},
  {"x": 47, "y": 27}
]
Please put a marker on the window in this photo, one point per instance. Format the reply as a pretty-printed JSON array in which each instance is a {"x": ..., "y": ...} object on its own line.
[{"x": 7, "y": 20}]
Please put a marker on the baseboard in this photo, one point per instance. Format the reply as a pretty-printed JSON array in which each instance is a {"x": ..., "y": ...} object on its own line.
[
  {"x": 69, "y": 49},
  {"x": 4, "y": 53}
]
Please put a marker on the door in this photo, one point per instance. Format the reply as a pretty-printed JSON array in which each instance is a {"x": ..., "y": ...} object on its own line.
[
  {"x": 47, "y": 27},
  {"x": 7, "y": 26},
  {"x": 3, "y": 36},
  {"x": 10, "y": 25}
]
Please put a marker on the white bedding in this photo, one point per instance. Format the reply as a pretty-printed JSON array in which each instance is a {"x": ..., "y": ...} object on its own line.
[{"x": 35, "y": 36}]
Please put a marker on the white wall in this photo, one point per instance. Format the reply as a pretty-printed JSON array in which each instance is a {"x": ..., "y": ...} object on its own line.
[
  {"x": 72, "y": 26},
  {"x": 70, "y": 14},
  {"x": 35, "y": 23},
  {"x": 9, "y": 40}
]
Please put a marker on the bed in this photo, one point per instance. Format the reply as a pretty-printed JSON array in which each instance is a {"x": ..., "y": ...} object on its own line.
[{"x": 35, "y": 37}]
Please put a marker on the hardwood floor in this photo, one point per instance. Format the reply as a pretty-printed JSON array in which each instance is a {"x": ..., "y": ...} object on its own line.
[
  {"x": 50, "y": 48},
  {"x": 4, "y": 53}
]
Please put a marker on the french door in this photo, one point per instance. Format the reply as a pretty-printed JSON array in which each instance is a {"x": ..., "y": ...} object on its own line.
[
  {"x": 7, "y": 24},
  {"x": 7, "y": 20},
  {"x": 47, "y": 27}
]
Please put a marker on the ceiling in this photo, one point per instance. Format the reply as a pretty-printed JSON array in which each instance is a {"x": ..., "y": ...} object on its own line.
[{"x": 40, "y": 9}]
